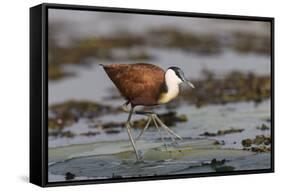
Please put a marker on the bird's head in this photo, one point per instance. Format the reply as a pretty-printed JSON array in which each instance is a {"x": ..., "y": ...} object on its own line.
[{"x": 175, "y": 75}]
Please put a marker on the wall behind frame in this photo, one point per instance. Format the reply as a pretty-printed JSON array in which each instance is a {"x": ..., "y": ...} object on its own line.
[{"x": 14, "y": 79}]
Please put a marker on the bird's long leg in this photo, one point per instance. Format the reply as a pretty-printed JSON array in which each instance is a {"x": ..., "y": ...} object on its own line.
[
  {"x": 162, "y": 139},
  {"x": 144, "y": 129},
  {"x": 128, "y": 126},
  {"x": 154, "y": 116},
  {"x": 166, "y": 128},
  {"x": 150, "y": 117}
]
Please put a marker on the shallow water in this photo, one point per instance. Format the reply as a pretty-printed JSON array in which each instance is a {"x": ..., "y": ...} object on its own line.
[
  {"x": 106, "y": 155},
  {"x": 245, "y": 115}
]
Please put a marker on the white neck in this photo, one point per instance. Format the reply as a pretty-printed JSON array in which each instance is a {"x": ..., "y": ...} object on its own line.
[{"x": 172, "y": 83}]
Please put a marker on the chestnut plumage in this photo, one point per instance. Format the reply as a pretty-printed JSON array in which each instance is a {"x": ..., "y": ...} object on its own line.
[{"x": 140, "y": 84}]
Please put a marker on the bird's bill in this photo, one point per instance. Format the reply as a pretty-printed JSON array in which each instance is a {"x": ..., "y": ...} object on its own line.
[
  {"x": 185, "y": 80},
  {"x": 189, "y": 83}
]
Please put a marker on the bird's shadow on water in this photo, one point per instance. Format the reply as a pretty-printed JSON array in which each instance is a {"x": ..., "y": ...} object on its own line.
[{"x": 24, "y": 178}]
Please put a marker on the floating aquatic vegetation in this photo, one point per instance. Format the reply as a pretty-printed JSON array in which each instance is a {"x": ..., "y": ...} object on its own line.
[
  {"x": 104, "y": 47},
  {"x": 70, "y": 134},
  {"x": 233, "y": 87},
  {"x": 214, "y": 165},
  {"x": 90, "y": 133},
  {"x": 62, "y": 120},
  {"x": 109, "y": 125},
  {"x": 55, "y": 72},
  {"x": 218, "y": 165},
  {"x": 262, "y": 139},
  {"x": 67, "y": 113},
  {"x": 222, "y": 132},
  {"x": 247, "y": 142},
  {"x": 60, "y": 133},
  {"x": 214, "y": 162},
  {"x": 216, "y": 142},
  {"x": 260, "y": 143},
  {"x": 251, "y": 43},
  {"x": 112, "y": 131},
  {"x": 263, "y": 127},
  {"x": 100, "y": 48},
  {"x": 261, "y": 149},
  {"x": 169, "y": 118},
  {"x": 170, "y": 37},
  {"x": 69, "y": 176},
  {"x": 67, "y": 134}
]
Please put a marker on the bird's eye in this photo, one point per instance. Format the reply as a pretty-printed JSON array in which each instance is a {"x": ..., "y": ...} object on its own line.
[{"x": 180, "y": 75}]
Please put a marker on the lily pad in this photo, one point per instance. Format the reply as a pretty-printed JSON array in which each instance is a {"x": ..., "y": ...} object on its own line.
[
  {"x": 118, "y": 148},
  {"x": 117, "y": 159}
]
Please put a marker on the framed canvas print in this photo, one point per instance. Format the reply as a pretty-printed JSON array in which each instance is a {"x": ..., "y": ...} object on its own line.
[{"x": 127, "y": 95}]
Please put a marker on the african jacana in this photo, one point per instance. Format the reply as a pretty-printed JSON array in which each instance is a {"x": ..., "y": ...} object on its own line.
[{"x": 144, "y": 84}]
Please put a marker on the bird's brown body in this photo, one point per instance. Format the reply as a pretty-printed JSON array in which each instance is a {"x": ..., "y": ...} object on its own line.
[
  {"x": 140, "y": 83},
  {"x": 146, "y": 85}
]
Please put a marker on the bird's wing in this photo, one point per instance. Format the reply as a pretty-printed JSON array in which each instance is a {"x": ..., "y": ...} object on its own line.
[{"x": 133, "y": 80}]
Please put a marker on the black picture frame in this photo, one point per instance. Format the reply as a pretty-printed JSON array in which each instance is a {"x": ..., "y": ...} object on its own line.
[{"x": 39, "y": 92}]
